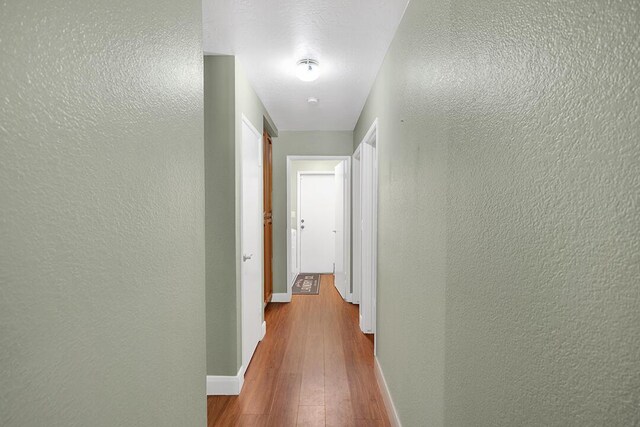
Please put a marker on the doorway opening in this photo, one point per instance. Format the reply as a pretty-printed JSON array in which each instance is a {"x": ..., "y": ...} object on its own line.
[{"x": 319, "y": 219}]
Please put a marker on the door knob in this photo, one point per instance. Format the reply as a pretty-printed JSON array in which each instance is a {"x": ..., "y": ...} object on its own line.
[{"x": 246, "y": 257}]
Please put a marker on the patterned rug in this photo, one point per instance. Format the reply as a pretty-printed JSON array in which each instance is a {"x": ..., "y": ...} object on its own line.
[{"x": 307, "y": 284}]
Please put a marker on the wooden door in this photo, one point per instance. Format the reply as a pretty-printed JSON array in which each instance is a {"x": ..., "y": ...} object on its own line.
[{"x": 267, "y": 218}]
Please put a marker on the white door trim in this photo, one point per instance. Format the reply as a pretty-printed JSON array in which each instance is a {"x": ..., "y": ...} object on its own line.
[
  {"x": 373, "y": 140},
  {"x": 290, "y": 274},
  {"x": 356, "y": 259}
]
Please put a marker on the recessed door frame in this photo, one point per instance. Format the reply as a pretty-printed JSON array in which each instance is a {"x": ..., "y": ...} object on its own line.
[
  {"x": 290, "y": 273},
  {"x": 367, "y": 153}
]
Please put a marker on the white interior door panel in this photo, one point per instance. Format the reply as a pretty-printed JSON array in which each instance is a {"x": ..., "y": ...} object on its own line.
[
  {"x": 251, "y": 235},
  {"x": 316, "y": 216}
]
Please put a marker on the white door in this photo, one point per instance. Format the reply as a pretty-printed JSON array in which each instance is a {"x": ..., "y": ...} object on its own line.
[
  {"x": 367, "y": 238},
  {"x": 340, "y": 180},
  {"x": 251, "y": 241},
  {"x": 357, "y": 228},
  {"x": 316, "y": 213}
]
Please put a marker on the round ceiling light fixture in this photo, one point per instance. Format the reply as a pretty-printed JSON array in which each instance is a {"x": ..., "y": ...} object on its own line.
[
  {"x": 307, "y": 70},
  {"x": 313, "y": 100}
]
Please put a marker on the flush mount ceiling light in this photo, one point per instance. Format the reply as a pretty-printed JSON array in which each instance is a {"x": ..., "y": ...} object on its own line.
[
  {"x": 313, "y": 100},
  {"x": 307, "y": 70}
]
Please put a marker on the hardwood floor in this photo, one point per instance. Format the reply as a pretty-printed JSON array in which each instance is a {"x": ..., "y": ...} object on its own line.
[{"x": 313, "y": 368}]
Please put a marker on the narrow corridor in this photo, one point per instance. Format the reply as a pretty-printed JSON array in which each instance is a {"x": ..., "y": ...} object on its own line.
[{"x": 313, "y": 368}]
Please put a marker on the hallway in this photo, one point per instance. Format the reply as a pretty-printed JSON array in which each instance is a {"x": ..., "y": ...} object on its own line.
[{"x": 313, "y": 368}]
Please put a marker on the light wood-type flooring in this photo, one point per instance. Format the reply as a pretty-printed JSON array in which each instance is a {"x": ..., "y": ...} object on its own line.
[{"x": 313, "y": 368}]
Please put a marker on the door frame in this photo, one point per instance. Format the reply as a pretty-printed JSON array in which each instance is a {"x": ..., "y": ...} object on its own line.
[
  {"x": 371, "y": 138},
  {"x": 290, "y": 273},
  {"x": 298, "y": 233}
]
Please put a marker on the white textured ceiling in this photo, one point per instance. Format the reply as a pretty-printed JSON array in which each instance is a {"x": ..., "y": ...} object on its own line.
[{"x": 348, "y": 37}]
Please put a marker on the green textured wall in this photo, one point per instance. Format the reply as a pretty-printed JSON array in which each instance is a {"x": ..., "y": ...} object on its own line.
[
  {"x": 102, "y": 315},
  {"x": 508, "y": 285},
  {"x": 290, "y": 143},
  {"x": 220, "y": 192},
  {"x": 228, "y": 95},
  {"x": 412, "y": 183}
]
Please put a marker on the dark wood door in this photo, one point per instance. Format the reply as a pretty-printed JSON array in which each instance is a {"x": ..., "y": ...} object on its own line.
[{"x": 268, "y": 223}]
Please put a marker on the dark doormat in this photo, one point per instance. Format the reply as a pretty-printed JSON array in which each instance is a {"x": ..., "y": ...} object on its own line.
[{"x": 307, "y": 284}]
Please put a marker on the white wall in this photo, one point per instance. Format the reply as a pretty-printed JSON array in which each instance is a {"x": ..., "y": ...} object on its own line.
[{"x": 305, "y": 166}]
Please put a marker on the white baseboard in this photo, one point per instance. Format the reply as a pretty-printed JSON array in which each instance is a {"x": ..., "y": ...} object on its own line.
[
  {"x": 386, "y": 396},
  {"x": 221, "y": 385},
  {"x": 350, "y": 298},
  {"x": 282, "y": 297}
]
